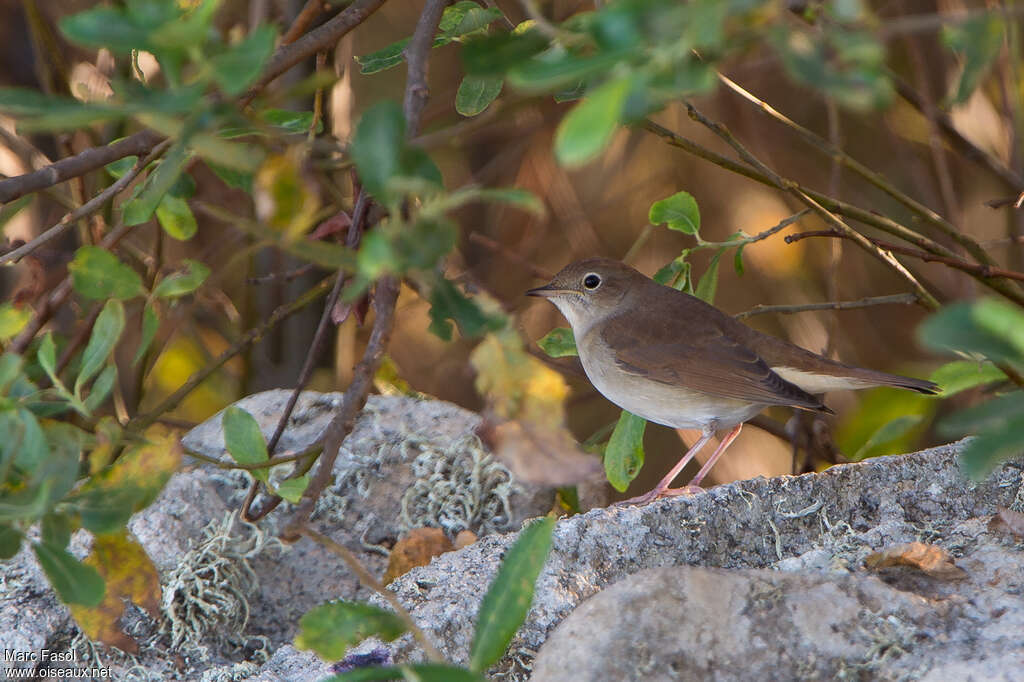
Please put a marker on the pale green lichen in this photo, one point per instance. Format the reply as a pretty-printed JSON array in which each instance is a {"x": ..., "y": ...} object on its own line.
[
  {"x": 205, "y": 595},
  {"x": 458, "y": 486}
]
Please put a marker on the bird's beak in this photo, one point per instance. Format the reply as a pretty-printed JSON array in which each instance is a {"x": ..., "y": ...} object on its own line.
[{"x": 546, "y": 291}]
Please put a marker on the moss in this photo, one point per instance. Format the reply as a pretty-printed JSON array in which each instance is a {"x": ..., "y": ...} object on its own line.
[
  {"x": 458, "y": 486},
  {"x": 205, "y": 595}
]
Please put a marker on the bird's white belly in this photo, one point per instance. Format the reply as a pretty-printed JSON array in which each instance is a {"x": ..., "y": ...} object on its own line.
[{"x": 661, "y": 403}]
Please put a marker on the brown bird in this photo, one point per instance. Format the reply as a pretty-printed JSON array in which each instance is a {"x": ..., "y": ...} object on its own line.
[{"x": 673, "y": 359}]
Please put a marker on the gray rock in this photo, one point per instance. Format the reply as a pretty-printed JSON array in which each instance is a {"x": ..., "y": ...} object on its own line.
[
  {"x": 288, "y": 664},
  {"x": 827, "y": 522}
]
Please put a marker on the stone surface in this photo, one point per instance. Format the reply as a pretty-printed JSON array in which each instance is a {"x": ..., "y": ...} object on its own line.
[{"x": 824, "y": 522}]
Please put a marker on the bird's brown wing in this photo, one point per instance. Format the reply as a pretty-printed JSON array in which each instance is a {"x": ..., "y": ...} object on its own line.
[{"x": 701, "y": 357}]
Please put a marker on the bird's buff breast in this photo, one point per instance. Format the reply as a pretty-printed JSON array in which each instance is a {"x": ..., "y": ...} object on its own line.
[{"x": 658, "y": 402}]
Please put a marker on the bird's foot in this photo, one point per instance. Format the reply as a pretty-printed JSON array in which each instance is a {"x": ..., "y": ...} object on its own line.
[{"x": 658, "y": 493}]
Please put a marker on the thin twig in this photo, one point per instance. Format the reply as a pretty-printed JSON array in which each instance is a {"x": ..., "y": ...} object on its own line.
[
  {"x": 861, "y": 215},
  {"x": 874, "y": 178},
  {"x": 499, "y": 248},
  {"x": 369, "y": 582},
  {"x": 250, "y": 337},
  {"x": 272, "y": 462},
  {"x": 830, "y": 305},
  {"x": 385, "y": 292},
  {"x": 79, "y": 164},
  {"x": 354, "y": 234},
  {"x": 85, "y": 209},
  {"x": 306, "y": 16},
  {"x": 982, "y": 271},
  {"x": 322, "y": 37},
  {"x": 924, "y": 296}
]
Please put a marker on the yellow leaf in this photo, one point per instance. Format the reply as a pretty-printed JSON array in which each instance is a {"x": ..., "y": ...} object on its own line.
[
  {"x": 129, "y": 574},
  {"x": 285, "y": 199}
]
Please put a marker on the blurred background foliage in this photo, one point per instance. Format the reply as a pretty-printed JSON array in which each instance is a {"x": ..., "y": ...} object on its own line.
[{"x": 904, "y": 119}]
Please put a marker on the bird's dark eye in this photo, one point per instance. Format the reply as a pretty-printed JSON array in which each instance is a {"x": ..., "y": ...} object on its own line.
[{"x": 591, "y": 281}]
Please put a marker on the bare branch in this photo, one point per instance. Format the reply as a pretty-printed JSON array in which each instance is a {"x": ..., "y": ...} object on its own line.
[
  {"x": 320, "y": 38},
  {"x": 79, "y": 164},
  {"x": 829, "y": 305},
  {"x": 85, "y": 209},
  {"x": 828, "y": 216}
]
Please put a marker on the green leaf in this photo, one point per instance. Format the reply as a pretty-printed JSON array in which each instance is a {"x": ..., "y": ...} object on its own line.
[
  {"x": 624, "y": 455},
  {"x": 476, "y": 93},
  {"x": 520, "y": 198},
  {"x": 383, "y": 59},
  {"x": 101, "y": 388},
  {"x": 13, "y": 320},
  {"x": 887, "y": 433},
  {"x": 10, "y": 541},
  {"x": 74, "y": 582},
  {"x": 232, "y": 177},
  {"x": 378, "y": 145},
  {"x": 589, "y": 127},
  {"x": 105, "y": 510},
  {"x": 557, "y": 69},
  {"x": 986, "y": 327},
  {"x": 36, "y": 111},
  {"x": 558, "y": 343},
  {"x": 291, "y": 489},
  {"x": 244, "y": 440},
  {"x": 292, "y": 121},
  {"x": 507, "y": 601},
  {"x": 106, "y": 27},
  {"x": 150, "y": 325},
  {"x": 242, "y": 158},
  {"x": 676, "y": 274},
  {"x": 10, "y": 368},
  {"x": 978, "y": 41},
  {"x": 707, "y": 285},
  {"x": 55, "y": 530},
  {"x": 679, "y": 211},
  {"x": 961, "y": 375},
  {"x": 464, "y": 18},
  {"x": 140, "y": 207},
  {"x": 415, "y": 672},
  {"x": 330, "y": 629},
  {"x": 448, "y": 303},
  {"x": 990, "y": 415},
  {"x": 493, "y": 55},
  {"x": 105, "y": 335},
  {"x": 176, "y": 217},
  {"x": 737, "y": 261},
  {"x": 47, "y": 355},
  {"x": 983, "y": 452},
  {"x": 182, "y": 283},
  {"x": 236, "y": 69},
  {"x": 98, "y": 274}
]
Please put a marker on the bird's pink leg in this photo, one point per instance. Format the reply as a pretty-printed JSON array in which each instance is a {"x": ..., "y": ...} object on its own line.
[
  {"x": 662, "y": 489},
  {"x": 719, "y": 451}
]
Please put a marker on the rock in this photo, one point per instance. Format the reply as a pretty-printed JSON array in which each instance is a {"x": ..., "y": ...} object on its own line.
[
  {"x": 30, "y": 615},
  {"x": 685, "y": 622},
  {"x": 827, "y": 522},
  {"x": 288, "y": 664}
]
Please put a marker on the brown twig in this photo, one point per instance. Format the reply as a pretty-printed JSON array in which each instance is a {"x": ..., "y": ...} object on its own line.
[
  {"x": 371, "y": 583},
  {"x": 385, "y": 291},
  {"x": 306, "y": 16},
  {"x": 85, "y": 209},
  {"x": 322, "y": 37},
  {"x": 79, "y": 164},
  {"x": 961, "y": 144},
  {"x": 982, "y": 271},
  {"x": 834, "y": 205},
  {"x": 272, "y": 462},
  {"x": 924, "y": 296},
  {"x": 360, "y": 211},
  {"x": 829, "y": 305}
]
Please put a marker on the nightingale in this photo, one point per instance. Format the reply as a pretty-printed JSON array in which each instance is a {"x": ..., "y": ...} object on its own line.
[{"x": 675, "y": 360}]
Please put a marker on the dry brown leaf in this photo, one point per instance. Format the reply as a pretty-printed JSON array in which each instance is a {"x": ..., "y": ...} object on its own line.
[
  {"x": 539, "y": 456},
  {"x": 929, "y": 559},
  {"x": 1007, "y": 521},
  {"x": 465, "y": 538},
  {"x": 416, "y": 548}
]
